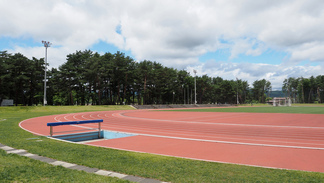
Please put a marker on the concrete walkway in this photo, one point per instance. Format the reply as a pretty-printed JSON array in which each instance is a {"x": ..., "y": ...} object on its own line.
[{"x": 54, "y": 162}]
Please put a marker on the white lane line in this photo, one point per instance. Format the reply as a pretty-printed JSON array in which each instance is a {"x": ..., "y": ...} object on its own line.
[
  {"x": 91, "y": 115},
  {"x": 239, "y": 143},
  {"x": 66, "y": 117},
  {"x": 83, "y": 116},
  {"x": 74, "y": 116},
  {"x": 58, "y": 117}
]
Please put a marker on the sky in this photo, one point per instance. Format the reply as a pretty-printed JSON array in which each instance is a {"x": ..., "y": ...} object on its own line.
[{"x": 245, "y": 39}]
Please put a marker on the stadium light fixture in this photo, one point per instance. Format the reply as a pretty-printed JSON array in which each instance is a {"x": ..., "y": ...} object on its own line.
[{"x": 46, "y": 45}]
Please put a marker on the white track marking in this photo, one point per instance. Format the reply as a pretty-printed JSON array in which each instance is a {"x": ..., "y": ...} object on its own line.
[
  {"x": 239, "y": 143},
  {"x": 89, "y": 128},
  {"x": 74, "y": 117},
  {"x": 65, "y": 117},
  {"x": 83, "y": 116},
  {"x": 91, "y": 115},
  {"x": 58, "y": 119}
]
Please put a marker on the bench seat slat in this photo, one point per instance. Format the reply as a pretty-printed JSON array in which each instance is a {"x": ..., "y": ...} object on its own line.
[{"x": 74, "y": 122}]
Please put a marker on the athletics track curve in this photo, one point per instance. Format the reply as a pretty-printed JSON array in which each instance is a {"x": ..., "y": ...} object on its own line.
[{"x": 285, "y": 141}]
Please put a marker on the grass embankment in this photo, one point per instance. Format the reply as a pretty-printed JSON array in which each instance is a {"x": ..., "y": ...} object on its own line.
[
  {"x": 15, "y": 168},
  {"x": 139, "y": 164}
]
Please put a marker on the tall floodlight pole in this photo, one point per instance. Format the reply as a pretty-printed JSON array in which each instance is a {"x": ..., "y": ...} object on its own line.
[
  {"x": 195, "y": 86},
  {"x": 46, "y": 45}
]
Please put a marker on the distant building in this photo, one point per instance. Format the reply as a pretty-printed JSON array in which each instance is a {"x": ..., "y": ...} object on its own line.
[
  {"x": 7, "y": 102},
  {"x": 280, "y": 101}
]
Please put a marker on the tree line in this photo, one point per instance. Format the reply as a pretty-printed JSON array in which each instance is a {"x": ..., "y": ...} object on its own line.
[
  {"x": 305, "y": 90},
  {"x": 109, "y": 79}
]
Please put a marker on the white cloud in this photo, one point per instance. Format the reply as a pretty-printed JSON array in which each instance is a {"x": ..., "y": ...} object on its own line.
[
  {"x": 247, "y": 47},
  {"x": 310, "y": 51},
  {"x": 174, "y": 33},
  {"x": 56, "y": 56},
  {"x": 251, "y": 72}
]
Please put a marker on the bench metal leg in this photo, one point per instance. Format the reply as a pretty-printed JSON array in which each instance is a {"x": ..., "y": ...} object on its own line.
[
  {"x": 51, "y": 131},
  {"x": 99, "y": 132}
]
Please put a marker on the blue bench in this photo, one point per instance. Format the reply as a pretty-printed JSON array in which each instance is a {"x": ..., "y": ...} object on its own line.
[{"x": 99, "y": 121}]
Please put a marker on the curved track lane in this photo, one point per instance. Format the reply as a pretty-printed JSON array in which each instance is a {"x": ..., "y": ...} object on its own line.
[{"x": 288, "y": 141}]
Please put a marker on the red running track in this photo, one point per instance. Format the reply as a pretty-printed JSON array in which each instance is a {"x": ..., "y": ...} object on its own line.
[{"x": 286, "y": 141}]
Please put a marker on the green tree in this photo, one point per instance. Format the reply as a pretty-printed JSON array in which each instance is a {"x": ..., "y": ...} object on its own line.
[
  {"x": 290, "y": 87},
  {"x": 144, "y": 74},
  {"x": 4, "y": 75},
  {"x": 261, "y": 89},
  {"x": 19, "y": 77},
  {"x": 35, "y": 73},
  {"x": 73, "y": 77},
  {"x": 320, "y": 88}
]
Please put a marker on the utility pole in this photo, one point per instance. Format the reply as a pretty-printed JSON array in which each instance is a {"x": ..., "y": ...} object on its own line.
[
  {"x": 184, "y": 94},
  {"x": 195, "y": 86},
  {"x": 173, "y": 98},
  {"x": 237, "y": 99},
  {"x": 46, "y": 45},
  {"x": 188, "y": 95}
]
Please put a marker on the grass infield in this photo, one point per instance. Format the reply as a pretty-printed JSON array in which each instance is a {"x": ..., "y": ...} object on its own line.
[
  {"x": 300, "y": 109},
  {"x": 140, "y": 164}
]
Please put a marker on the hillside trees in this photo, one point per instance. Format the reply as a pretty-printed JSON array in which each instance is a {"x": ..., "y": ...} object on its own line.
[
  {"x": 20, "y": 78},
  {"x": 114, "y": 78},
  {"x": 90, "y": 78},
  {"x": 305, "y": 90}
]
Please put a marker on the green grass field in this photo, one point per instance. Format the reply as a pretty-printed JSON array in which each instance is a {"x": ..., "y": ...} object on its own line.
[
  {"x": 140, "y": 164},
  {"x": 300, "y": 109}
]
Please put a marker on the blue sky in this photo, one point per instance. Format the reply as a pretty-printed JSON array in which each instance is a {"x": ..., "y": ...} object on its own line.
[
  {"x": 247, "y": 39},
  {"x": 270, "y": 56},
  {"x": 7, "y": 42}
]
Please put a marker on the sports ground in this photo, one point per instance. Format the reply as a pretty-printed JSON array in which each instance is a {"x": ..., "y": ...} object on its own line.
[{"x": 274, "y": 140}]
